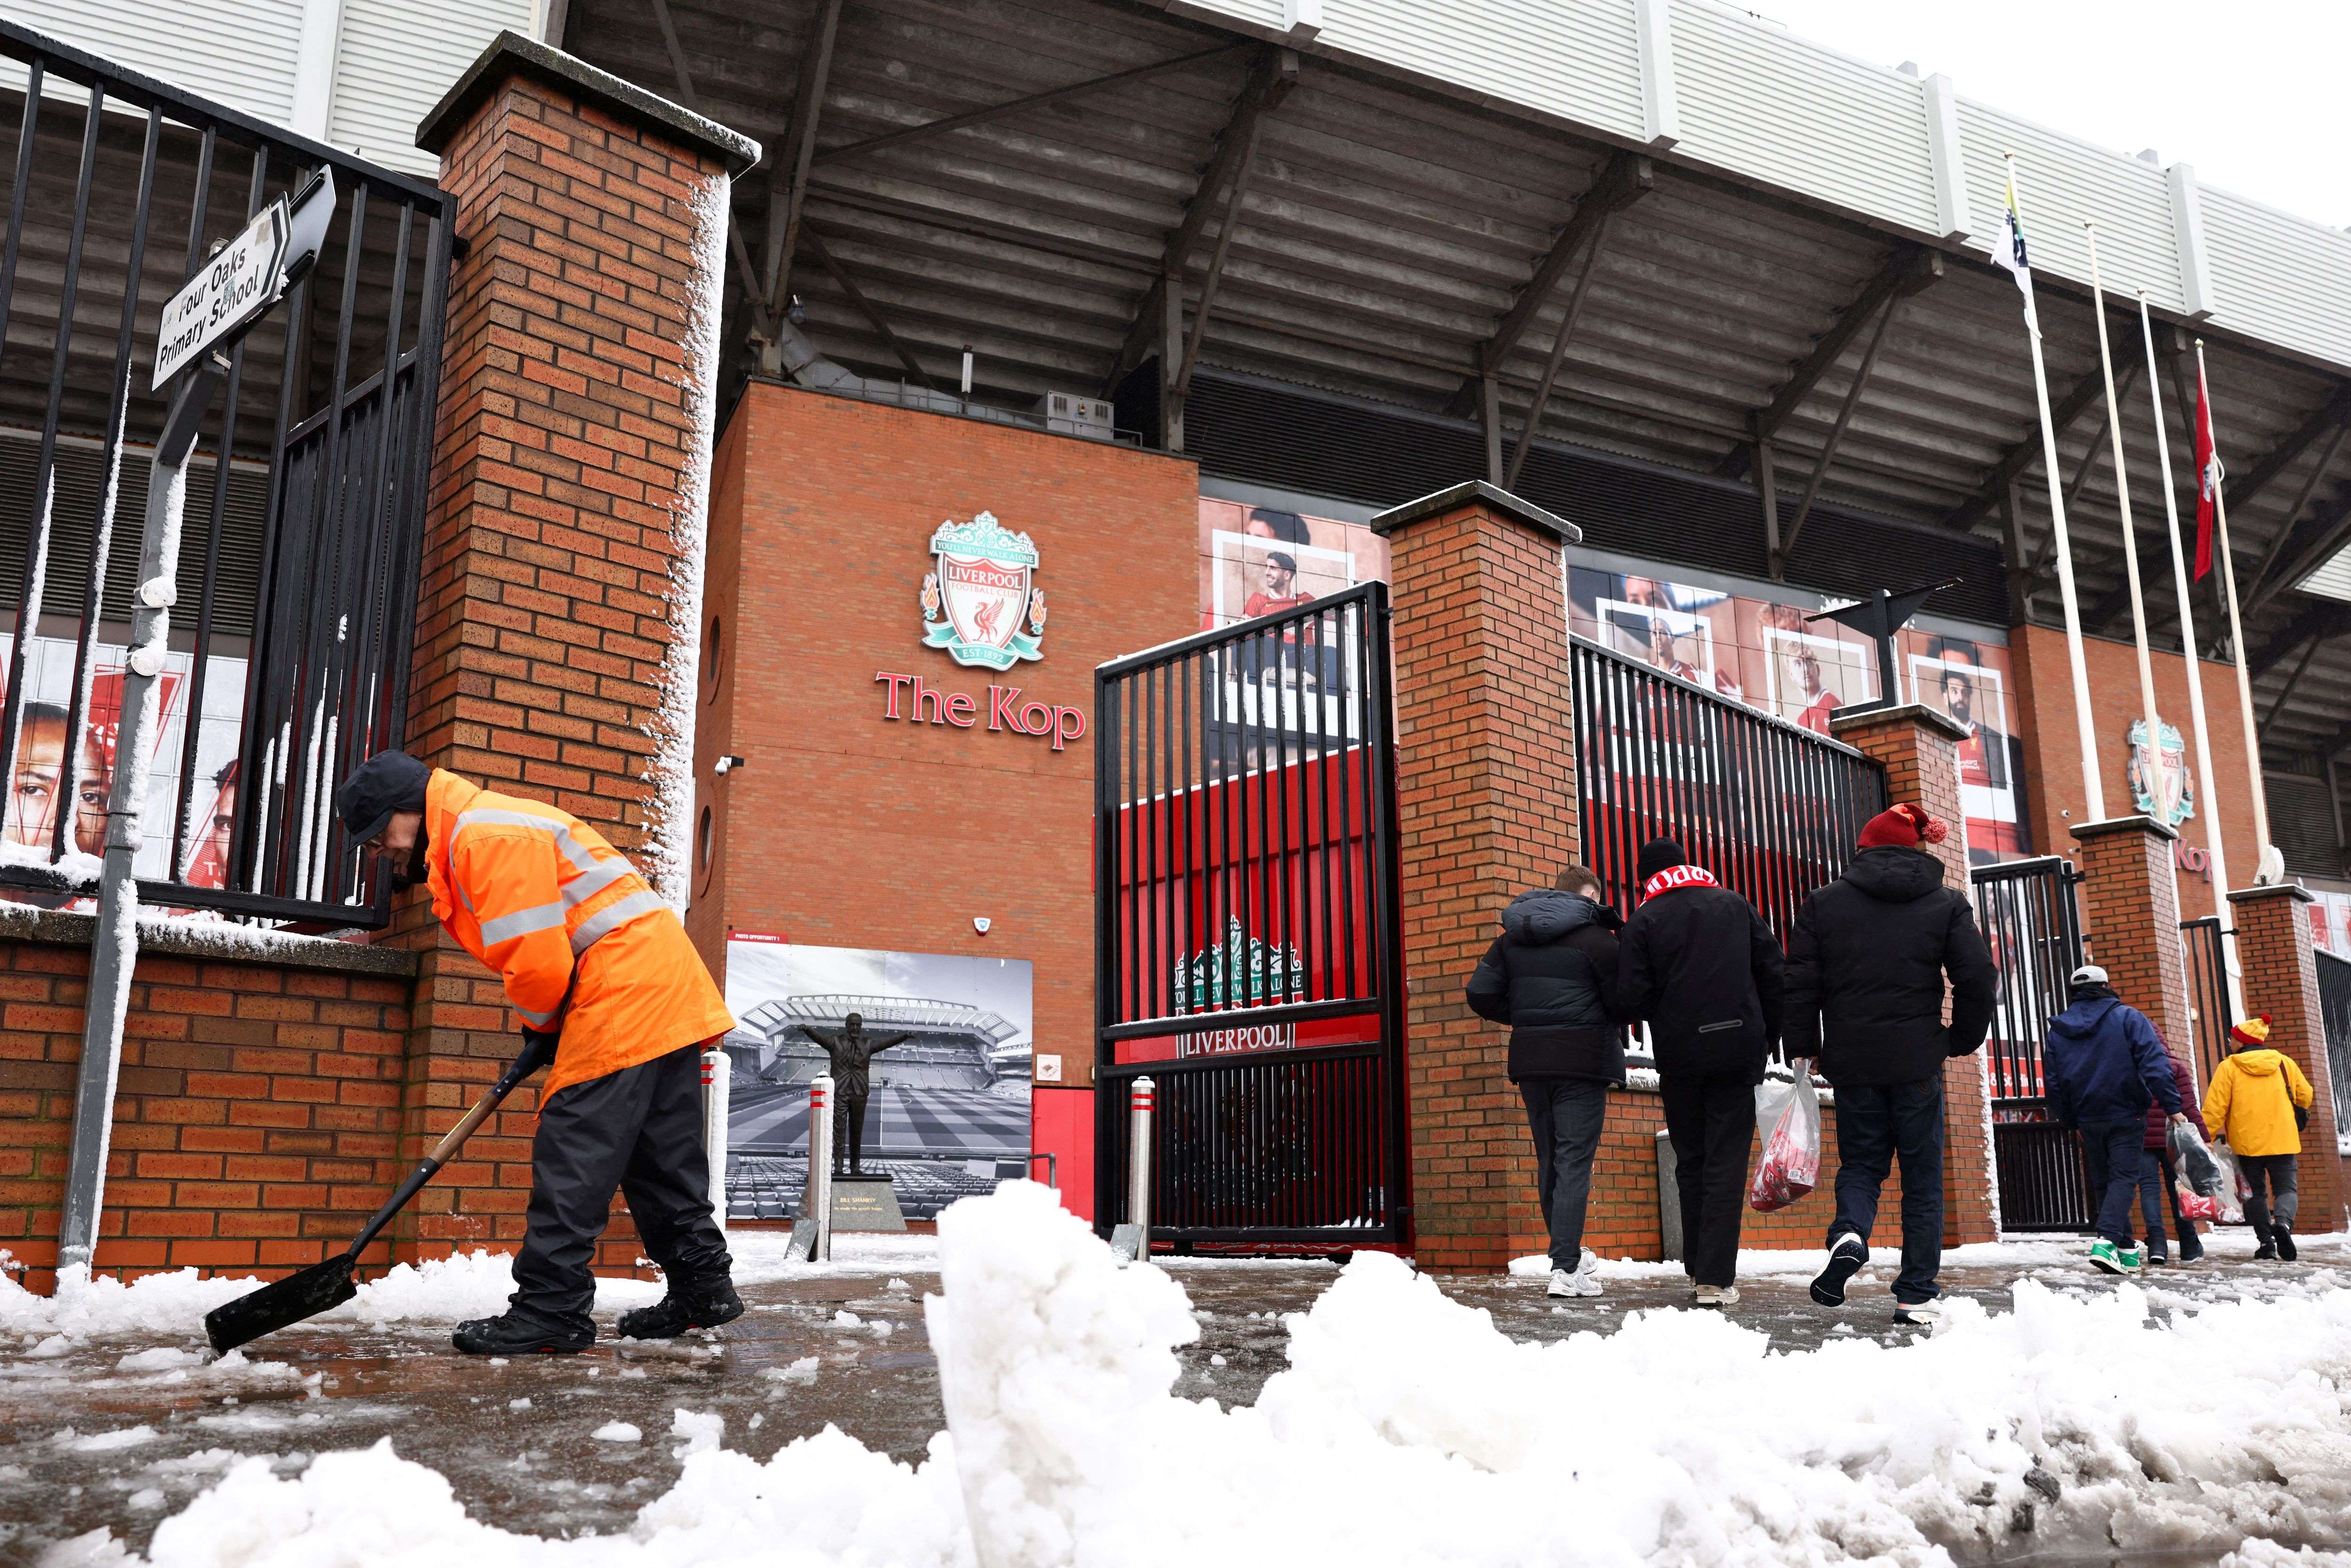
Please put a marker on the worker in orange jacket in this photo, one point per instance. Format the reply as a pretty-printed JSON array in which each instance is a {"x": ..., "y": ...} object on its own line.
[{"x": 610, "y": 989}]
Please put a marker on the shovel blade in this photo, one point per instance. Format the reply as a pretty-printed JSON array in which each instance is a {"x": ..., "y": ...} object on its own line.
[{"x": 281, "y": 1302}]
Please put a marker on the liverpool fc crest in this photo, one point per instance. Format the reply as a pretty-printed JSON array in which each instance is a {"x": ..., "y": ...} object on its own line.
[{"x": 979, "y": 602}]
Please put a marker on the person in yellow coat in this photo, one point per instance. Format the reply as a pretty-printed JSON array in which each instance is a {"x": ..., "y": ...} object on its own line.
[
  {"x": 612, "y": 991},
  {"x": 2252, "y": 1102}
]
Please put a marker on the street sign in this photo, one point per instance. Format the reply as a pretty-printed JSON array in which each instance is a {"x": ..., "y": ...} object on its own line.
[{"x": 238, "y": 282}]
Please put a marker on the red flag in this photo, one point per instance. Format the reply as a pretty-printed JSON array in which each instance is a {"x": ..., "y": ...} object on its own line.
[{"x": 2208, "y": 478}]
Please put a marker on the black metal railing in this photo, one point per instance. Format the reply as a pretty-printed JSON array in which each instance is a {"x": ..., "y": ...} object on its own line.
[
  {"x": 2031, "y": 921},
  {"x": 2204, "y": 947},
  {"x": 1771, "y": 809},
  {"x": 1288, "y": 1148},
  {"x": 289, "y": 658},
  {"x": 1245, "y": 906}
]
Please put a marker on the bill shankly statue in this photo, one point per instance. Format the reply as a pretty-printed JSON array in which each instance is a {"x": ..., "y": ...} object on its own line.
[{"x": 853, "y": 1051}]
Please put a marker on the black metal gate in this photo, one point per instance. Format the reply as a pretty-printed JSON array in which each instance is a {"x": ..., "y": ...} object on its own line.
[
  {"x": 305, "y": 500},
  {"x": 1247, "y": 950},
  {"x": 1771, "y": 809},
  {"x": 2030, "y": 918},
  {"x": 2206, "y": 956}
]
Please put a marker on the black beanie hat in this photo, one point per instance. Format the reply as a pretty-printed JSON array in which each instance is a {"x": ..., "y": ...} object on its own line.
[
  {"x": 387, "y": 782},
  {"x": 1659, "y": 853}
]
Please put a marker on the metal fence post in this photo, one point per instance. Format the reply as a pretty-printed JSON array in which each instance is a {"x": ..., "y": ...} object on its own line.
[
  {"x": 717, "y": 1090},
  {"x": 114, "y": 951}
]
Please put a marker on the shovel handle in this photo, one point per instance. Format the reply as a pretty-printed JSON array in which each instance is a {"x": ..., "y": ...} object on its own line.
[{"x": 522, "y": 1067}]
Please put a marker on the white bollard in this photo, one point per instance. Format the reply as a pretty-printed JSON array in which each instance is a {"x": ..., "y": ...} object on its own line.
[
  {"x": 717, "y": 1090},
  {"x": 816, "y": 1211},
  {"x": 1139, "y": 1167}
]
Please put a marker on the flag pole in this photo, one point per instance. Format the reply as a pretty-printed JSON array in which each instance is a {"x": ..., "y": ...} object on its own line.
[
  {"x": 2094, "y": 787},
  {"x": 2262, "y": 865},
  {"x": 2216, "y": 840},
  {"x": 2151, "y": 769}
]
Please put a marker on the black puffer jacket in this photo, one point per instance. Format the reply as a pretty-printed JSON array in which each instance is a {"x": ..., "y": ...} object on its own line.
[
  {"x": 1865, "y": 967},
  {"x": 1550, "y": 976},
  {"x": 1701, "y": 966}
]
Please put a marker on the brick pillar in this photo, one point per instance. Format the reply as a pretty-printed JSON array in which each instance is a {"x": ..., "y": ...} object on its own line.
[
  {"x": 2130, "y": 921},
  {"x": 1486, "y": 805},
  {"x": 2280, "y": 978},
  {"x": 1919, "y": 749},
  {"x": 561, "y": 559}
]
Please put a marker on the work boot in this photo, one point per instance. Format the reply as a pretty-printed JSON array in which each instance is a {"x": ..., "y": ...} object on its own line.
[
  {"x": 2284, "y": 1235},
  {"x": 703, "y": 1307},
  {"x": 514, "y": 1334},
  {"x": 2268, "y": 1251}
]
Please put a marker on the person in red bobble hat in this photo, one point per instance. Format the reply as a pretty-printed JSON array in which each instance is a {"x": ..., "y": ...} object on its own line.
[{"x": 1866, "y": 963}]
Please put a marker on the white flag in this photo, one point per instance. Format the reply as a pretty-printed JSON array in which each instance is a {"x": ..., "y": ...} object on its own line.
[{"x": 2008, "y": 248}]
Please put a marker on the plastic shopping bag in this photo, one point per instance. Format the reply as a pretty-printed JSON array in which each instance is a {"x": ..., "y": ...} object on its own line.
[
  {"x": 1790, "y": 1115},
  {"x": 2231, "y": 1198},
  {"x": 2193, "y": 1159}
]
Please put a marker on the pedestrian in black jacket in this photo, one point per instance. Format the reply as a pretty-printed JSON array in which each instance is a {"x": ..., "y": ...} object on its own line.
[
  {"x": 1550, "y": 976},
  {"x": 1867, "y": 963},
  {"x": 1701, "y": 966}
]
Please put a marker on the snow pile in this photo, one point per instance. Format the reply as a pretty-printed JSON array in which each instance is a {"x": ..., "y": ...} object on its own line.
[{"x": 1408, "y": 1430}]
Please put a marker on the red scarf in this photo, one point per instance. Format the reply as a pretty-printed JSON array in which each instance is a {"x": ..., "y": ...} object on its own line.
[{"x": 1675, "y": 876}]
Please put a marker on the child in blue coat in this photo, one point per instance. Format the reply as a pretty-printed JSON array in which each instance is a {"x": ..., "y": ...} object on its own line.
[{"x": 2105, "y": 1066}]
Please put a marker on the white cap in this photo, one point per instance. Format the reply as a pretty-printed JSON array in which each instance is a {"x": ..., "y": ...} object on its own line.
[{"x": 2088, "y": 975}]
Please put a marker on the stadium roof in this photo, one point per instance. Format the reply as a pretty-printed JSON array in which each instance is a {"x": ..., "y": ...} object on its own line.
[{"x": 1417, "y": 190}]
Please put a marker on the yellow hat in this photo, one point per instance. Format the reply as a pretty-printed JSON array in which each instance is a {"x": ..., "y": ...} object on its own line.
[{"x": 2254, "y": 1031}]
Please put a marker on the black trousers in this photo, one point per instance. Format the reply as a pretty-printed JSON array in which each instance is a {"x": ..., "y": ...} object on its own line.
[
  {"x": 849, "y": 1133},
  {"x": 2277, "y": 1173},
  {"x": 1711, "y": 1121},
  {"x": 639, "y": 1130}
]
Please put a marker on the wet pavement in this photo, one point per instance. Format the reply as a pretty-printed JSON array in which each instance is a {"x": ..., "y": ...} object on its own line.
[{"x": 121, "y": 1430}]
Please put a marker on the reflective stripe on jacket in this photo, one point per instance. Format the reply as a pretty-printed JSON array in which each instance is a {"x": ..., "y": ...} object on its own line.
[{"x": 539, "y": 896}]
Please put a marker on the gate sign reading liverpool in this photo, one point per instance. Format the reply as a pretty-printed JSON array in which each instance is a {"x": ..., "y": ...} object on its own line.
[
  {"x": 240, "y": 281},
  {"x": 976, "y": 599}
]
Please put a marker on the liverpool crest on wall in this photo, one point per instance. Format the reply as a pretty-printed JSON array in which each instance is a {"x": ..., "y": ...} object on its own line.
[{"x": 980, "y": 601}]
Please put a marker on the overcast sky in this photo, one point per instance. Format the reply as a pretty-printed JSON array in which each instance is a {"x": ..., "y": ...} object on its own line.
[{"x": 2252, "y": 93}]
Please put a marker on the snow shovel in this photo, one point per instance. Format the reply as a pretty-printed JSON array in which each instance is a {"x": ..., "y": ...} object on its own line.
[{"x": 320, "y": 1285}]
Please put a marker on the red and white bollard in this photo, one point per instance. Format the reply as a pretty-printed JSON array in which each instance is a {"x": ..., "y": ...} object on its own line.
[
  {"x": 1138, "y": 1171},
  {"x": 717, "y": 1090},
  {"x": 813, "y": 1225}
]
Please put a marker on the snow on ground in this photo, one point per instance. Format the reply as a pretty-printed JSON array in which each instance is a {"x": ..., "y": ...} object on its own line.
[
  {"x": 1408, "y": 1430},
  {"x": 2013, "y": 1253},
  {"x": 440, "y": 1291}
]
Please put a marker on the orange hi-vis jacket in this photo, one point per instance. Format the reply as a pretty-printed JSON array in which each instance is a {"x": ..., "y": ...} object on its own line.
[{"x": 539, "y": 896}]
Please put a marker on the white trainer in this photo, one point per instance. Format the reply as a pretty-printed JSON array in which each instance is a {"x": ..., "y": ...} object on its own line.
[
  {"x": 1922, "y": 1314},
  {"x": 1562, "y": 1283},
  {"x": 1585, "y": 1280},
  {"x": 1717, "y": 1295}
]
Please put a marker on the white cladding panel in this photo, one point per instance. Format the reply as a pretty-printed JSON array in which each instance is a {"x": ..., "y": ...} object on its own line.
[
  {"x": 2062, "y": 182},
  {"x": 240, "y": 54},
  {"x": 394, "y": 58},
  {"x": 2279, "y": 277},
  {"x": 1767, "y": 104},
  {"x": 1577, "y": 59}
]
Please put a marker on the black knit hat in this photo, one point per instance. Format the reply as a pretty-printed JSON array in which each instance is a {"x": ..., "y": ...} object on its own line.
[
  {"x": 387, "y": 782},
  {"x": 1659, "y": 853}
]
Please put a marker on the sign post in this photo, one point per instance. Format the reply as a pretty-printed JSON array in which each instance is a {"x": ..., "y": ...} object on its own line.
[{"x": 229, "y": 294}]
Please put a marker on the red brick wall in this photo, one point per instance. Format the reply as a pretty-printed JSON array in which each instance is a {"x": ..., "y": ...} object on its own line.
[
  {"x": 2280, "y": 979},
  {"x": 560, "y": 513},
  {"x": 2053, "y": 746},
  {"x": 848, "y": 830},
  {"x": 2130, "y": 922},
  {"x": 257, "y": 1120},
  {"x": 1486, "y": 807}
]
